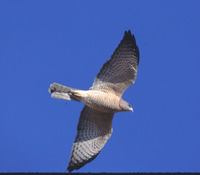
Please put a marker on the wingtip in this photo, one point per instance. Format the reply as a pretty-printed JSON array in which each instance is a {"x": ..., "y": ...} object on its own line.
[
  {"x": 129, "y": 36},
  {"x": 70, "y": 168},
  {"x": 127, "y": 32}
]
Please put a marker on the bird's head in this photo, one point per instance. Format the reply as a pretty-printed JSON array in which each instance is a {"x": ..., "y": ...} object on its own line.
[{"x": 125, "y": 106}]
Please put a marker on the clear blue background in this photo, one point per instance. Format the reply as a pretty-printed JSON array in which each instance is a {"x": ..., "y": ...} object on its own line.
[{"x": 67, "y": 42}]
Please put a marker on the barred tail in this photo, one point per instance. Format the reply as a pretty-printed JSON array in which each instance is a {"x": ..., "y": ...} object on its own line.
[{"x": 63, "y": 92}]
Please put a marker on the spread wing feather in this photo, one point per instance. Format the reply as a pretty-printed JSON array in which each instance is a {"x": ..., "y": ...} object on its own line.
[
  {"x": 118, "y": 73},
  {"x": 93, "y": 131}
]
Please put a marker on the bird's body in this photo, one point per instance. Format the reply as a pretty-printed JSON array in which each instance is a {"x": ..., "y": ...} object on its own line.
[
  {"x": 101, "y": 101},
  {"x": 97, "y": 100}
]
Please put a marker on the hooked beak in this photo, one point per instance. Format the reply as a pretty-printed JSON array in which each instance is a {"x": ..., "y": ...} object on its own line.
[{"x": 131, "y": 109}]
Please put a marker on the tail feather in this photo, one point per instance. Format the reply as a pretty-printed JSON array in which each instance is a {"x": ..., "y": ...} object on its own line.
[{"x": 62, "y": 92}]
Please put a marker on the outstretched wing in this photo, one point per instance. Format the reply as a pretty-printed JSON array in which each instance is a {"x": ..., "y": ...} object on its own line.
[
  {"x": 93, "y": 131},
  {"x": 118, "y": 73}
]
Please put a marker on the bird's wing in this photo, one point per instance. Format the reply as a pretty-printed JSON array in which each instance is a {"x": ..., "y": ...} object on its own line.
[
  {"x": 118, "y": 73},
  {"x": 93, "y": 131}
]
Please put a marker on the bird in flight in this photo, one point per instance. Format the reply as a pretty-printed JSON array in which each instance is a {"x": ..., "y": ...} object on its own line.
[{"x": 101, "y": 101}]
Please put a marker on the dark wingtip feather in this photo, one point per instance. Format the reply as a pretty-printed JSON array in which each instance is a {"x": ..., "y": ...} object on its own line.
[
  {"x": 75, "y": 166},
  {"x": 129, "y": 37},
  {"x": 70, "y": 169}
]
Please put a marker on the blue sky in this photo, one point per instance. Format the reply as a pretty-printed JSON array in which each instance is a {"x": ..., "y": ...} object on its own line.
[{"x": 67, "y": 42}]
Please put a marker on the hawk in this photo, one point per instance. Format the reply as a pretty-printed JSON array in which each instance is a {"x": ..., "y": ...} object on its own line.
[{"x": 101, "y": 101}]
